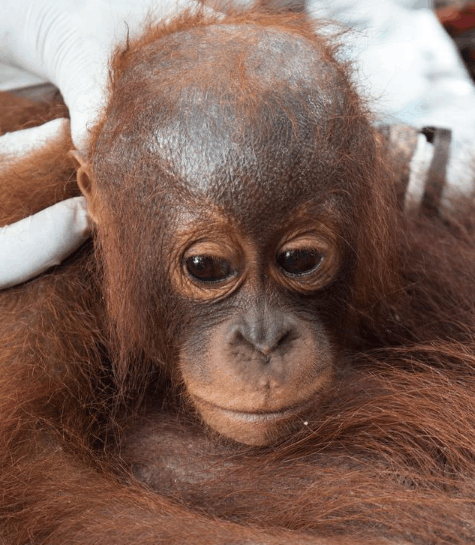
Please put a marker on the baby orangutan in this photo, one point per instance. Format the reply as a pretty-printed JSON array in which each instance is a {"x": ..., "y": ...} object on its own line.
[{"x": 257, "y": 346}]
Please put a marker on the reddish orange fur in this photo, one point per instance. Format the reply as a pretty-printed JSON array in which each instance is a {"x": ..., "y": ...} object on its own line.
[{"x": 390, "y": 458}]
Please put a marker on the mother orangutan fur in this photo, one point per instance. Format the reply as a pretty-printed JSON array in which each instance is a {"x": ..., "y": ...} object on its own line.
[{"x": 99, "y": 442}]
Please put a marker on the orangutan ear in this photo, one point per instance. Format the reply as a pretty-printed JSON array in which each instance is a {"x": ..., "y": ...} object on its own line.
[{"x": 86, "y": 183}]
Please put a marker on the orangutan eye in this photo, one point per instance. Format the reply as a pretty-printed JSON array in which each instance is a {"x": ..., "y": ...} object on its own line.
[
  {"x": 206, "y": 268},
  {"x": 299, "y": 262}
]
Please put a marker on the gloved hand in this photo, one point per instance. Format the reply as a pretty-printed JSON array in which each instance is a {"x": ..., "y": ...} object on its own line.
[{"x": 69, "y": 42}]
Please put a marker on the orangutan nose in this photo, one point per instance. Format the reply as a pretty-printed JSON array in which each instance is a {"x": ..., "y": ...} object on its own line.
[{"x": 265, "y": 332}]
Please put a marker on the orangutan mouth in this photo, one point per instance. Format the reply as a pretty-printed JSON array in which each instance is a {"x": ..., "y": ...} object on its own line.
[
  {"x": 254, "y": 417},
  {"x": 261, "y": 417}
]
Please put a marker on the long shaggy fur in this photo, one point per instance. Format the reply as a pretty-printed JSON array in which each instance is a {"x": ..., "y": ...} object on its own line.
[{"x": 389, "y": 459}]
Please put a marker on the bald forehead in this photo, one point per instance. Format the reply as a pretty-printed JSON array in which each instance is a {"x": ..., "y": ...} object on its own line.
[{"x": 231, "y": 111}]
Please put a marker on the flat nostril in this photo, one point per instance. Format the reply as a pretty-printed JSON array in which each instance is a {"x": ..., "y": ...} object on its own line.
[{"x": 284, "y": 338}]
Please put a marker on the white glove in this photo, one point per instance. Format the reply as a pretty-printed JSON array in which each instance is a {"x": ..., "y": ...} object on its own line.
[
  {"x": 69, "y": 42},
  {"x": 34, "y": 244}
]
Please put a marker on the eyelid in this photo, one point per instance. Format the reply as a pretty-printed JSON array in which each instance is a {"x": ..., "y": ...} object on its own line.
[{"x": 307, "y": 241}]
